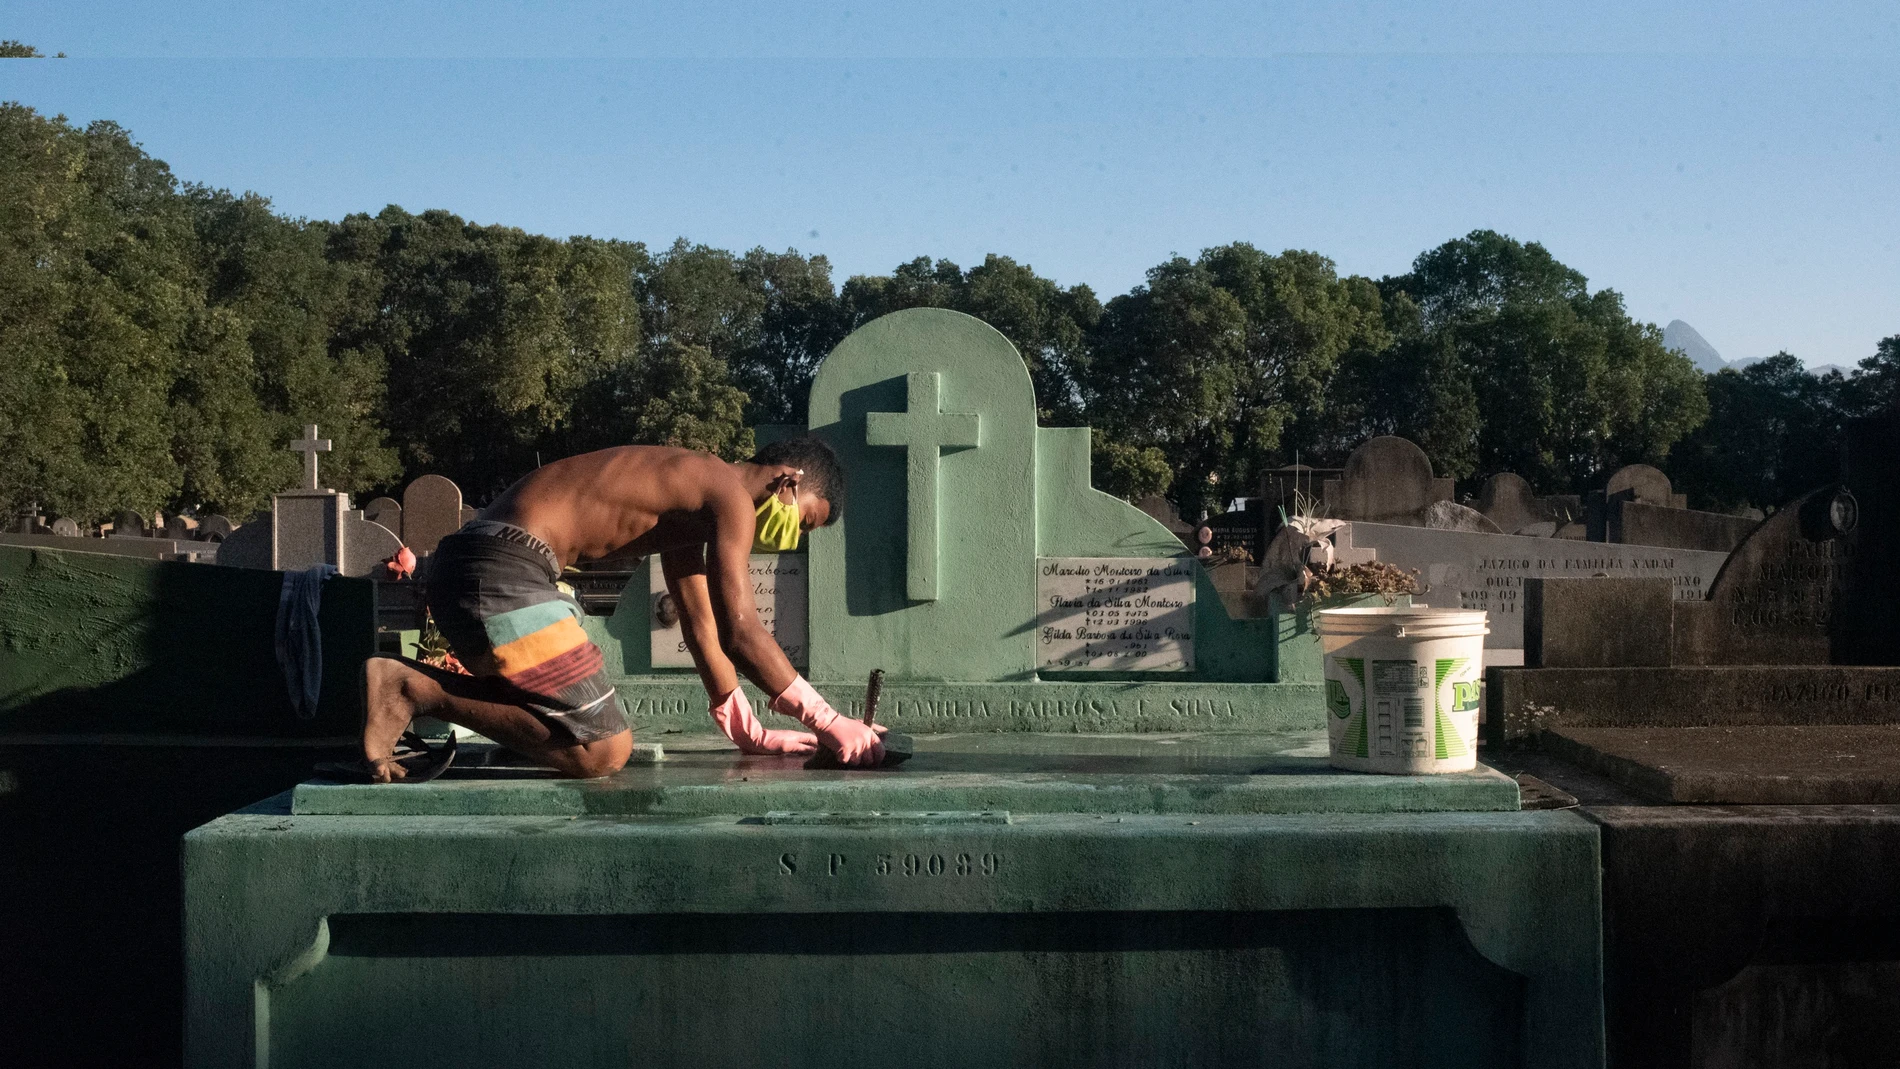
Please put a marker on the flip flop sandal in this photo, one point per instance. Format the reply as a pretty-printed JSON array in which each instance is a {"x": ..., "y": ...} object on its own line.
[{"x": 421, "y": 763}]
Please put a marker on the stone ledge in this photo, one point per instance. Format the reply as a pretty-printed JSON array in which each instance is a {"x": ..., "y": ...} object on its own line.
[{"x": 678, "y": 702}]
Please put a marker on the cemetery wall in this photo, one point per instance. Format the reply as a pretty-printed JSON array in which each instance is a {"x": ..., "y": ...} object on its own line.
[{"x": 93, "y": 645}]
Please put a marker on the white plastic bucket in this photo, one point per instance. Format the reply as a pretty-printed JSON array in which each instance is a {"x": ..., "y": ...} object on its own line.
[{"x": 1403, "y": 688}]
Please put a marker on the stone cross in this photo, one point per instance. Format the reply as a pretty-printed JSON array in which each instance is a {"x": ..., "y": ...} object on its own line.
[
  {"x": 925, "y": 431},
  {"x": 310, "y": 446}
]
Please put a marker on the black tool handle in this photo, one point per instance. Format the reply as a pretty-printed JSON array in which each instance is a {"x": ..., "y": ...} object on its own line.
[{"x": 871, "y": 692}]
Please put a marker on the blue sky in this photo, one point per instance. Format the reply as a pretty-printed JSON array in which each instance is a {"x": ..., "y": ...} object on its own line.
[{"x": 1734, "y": 165}]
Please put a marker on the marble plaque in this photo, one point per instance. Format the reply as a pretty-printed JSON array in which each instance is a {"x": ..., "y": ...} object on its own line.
[
  {"x": 1115, "y": 614},
  {"x": 778, "y": 588}
]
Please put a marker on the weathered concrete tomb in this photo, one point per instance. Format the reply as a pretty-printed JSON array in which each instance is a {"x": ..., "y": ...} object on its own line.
[{"x": 1118, "y": 843}]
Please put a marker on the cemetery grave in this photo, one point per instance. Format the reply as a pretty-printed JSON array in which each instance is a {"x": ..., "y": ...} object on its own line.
[
  {"x": 1119, "y": 837},
  {"x": 1739, "y": 754}
]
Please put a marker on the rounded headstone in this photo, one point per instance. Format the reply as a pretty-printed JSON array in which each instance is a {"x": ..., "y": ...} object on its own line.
[
  {"x": 181, "y": 528},
  {"x": 1640, "y": 482},
  {"x": 214, "y": 528},
  {"x": 1386, "y": 480},
  {"x": 431, "y": 510},
  {"x": 1508, "y": 500},
  {"x": 247, "y": 547},
  {"x": 386, "y": 511},
  {"x": 127, "y": 522},
  {"x": 66, "y": 527},
  {"x": 366, "y": 545}
]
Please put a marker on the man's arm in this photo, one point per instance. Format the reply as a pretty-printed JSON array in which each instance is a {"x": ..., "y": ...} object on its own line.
[
  {"x": 757, "y": 654},
  {"x": 728, "y": 577},
  {"x": 685, "y": 571}
]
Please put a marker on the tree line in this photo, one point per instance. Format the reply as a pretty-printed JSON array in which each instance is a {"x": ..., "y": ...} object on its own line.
[{"x": 160, "y": 341}]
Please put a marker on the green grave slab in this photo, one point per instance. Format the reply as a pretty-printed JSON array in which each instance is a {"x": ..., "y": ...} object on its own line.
[
  {"x": 997, "y": 773},
  {"x": 1324, "y": 939}
]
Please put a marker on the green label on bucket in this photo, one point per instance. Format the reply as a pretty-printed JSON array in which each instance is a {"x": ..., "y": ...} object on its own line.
[
  {"x": 1336, "y": 699},
  {"x": 1466, "y": 696},
  {"x": 1447, "y": 742}
]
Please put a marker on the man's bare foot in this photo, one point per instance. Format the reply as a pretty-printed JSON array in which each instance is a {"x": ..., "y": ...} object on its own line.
[{"x": 388, "y": 710}]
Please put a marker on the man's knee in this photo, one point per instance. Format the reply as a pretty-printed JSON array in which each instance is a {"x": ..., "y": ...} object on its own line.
[{"x": 602, "y": 757}]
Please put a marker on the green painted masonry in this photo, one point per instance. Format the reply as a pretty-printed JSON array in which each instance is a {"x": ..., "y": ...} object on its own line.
[{"x": 1031, "y": 888}]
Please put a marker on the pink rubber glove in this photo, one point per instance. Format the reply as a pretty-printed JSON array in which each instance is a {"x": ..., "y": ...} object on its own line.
[
  {"x": 854, "y": 743},
  {"x": 734, "y": 716}
]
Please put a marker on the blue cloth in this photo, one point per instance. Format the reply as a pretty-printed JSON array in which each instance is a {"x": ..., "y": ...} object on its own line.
[{"x": 299, "y": 640}]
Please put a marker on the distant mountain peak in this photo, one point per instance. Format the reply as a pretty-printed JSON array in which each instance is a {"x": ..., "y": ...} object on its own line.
[{"x": 1683, "y": 338}]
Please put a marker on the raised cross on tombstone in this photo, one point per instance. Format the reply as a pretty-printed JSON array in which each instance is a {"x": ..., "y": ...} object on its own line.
[
  {"x": 310, "y": 445},
  {"x": 925, "y": 431}
]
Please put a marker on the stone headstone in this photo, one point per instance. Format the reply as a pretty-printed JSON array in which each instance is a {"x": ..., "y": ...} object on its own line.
[
  {"x": 386, "y": 511},
  {"x": 1386, "y": 480},
  {"x": 366, "y": 545},
  {"x": 1511, "y": 504},
  {"x": 307, "y": 529},
  {"x": 954, "y": 494},
  {"x": 431, "y": 510},
  {"x": 1657, "y": 525},
  {"x": 1127, "y": 614},
  {"x": 1487, "y": 571},
  {"x": 1165, "y": 514},
  {"x": 248, "y": 546},
  {"x": 779, "y": 588},
  {"x": 215, "y": 528},
  {"x": 1571, "y": 622},
  {"x": 181, "y": 528},
  {"x": 127, "y": 523},
  {"x": 1641, "y": 482},
  {"x": 1775, "y": 599},
  {"x": 1451, "y": 516},
  {"x": 65, "y": 527}
]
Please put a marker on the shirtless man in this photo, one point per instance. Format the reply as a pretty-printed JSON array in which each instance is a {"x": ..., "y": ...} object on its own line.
[{"x": 539, "y": 685}]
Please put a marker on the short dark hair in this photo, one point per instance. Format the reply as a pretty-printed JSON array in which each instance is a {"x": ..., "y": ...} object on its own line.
[{"x": 823, "y": 476}]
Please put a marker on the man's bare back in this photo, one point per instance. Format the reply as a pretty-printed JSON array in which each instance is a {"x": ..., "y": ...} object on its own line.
[
  {"x": 634, "y": 500},
  {"x": 698, "y": 514}
]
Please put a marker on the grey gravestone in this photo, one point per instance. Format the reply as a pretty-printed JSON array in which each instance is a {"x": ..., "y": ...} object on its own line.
[
  {"x": 386, "y": 511},
  {"x": 1165, "y": 514},
  {"x": 366, "y": 545},
  {"x": 1386, "y": 480},
  {"x": 1451, "y": 516},
  {"x": 248, "y": 546},
  {"x": 1597, "y": 623},
  {"x": 1641, "y": 482},
  {"x": 66, "y": 528},
  {"x": 215, "y": 528},
  {"x": 1511, "y": 504},
  {"x": 1657, "y": 525},
  {"x": 431, "y": 510},
  {"x": 1487, "y": 571},
  {"x": 181, "y": 528},
  {"x": 1774, "y": 601},
  {"x": 127, "y": 524},
  {"x": 307, "y": 529}
]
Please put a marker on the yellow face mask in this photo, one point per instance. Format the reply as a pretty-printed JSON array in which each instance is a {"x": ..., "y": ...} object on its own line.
[{"x": 778, "y": 528}]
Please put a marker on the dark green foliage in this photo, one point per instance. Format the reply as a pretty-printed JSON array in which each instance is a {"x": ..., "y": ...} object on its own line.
[{"x": 163, "y": 342}]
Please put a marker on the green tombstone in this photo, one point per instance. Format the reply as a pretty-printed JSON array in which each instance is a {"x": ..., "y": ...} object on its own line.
[{"x": 931, "y": 572}]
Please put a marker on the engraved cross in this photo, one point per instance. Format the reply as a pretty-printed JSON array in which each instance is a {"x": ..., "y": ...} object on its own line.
[
  {"x": 925, "y": 431},
  {"x": 310, "y": 446}
]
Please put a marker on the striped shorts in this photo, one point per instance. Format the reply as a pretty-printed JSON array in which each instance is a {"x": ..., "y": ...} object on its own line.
[{"x": 491, "y": 591}]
